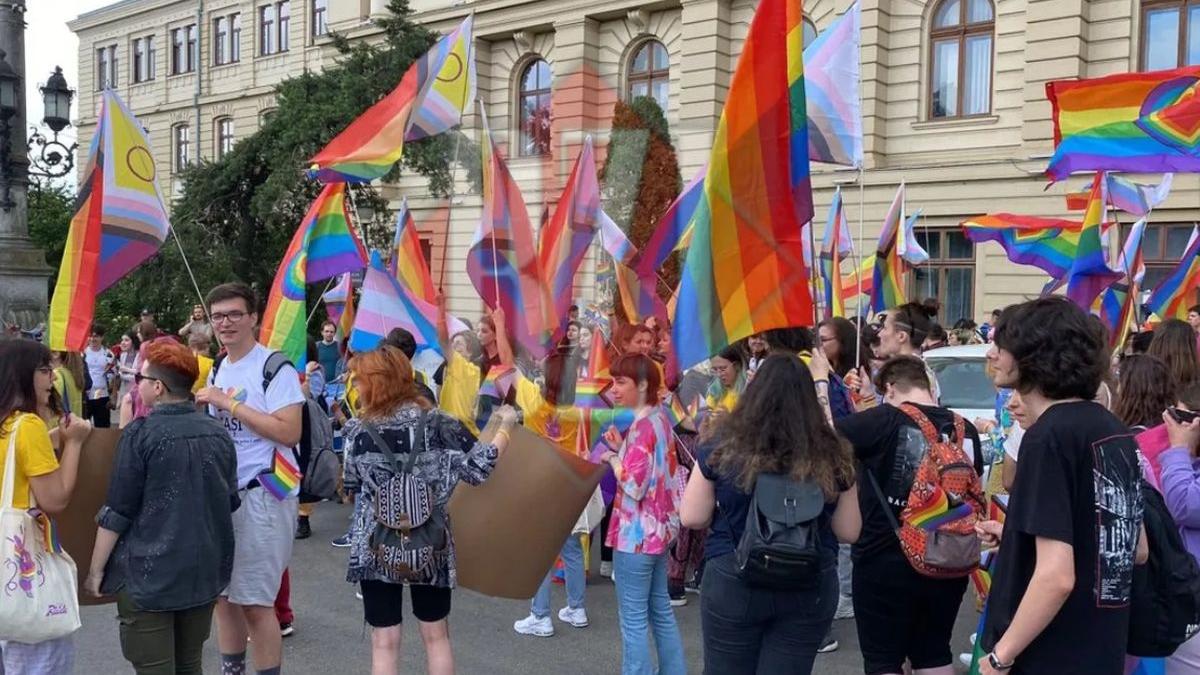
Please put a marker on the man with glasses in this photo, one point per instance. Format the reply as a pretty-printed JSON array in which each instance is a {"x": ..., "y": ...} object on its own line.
[{"x": 256, "y": 394}]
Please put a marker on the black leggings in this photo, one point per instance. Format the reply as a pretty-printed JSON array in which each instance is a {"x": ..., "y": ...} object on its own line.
[{"x": 605, "y": 549}]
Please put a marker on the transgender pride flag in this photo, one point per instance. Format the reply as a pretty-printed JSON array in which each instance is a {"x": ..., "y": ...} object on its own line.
[
  {"x": 386, "y": 304},
  {"x": 831, "y": 84}
]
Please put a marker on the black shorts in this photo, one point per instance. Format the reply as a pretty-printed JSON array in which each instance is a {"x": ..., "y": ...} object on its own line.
[
  {"x": 902, "y": 615},
  {"x": 383, "y": 603}
]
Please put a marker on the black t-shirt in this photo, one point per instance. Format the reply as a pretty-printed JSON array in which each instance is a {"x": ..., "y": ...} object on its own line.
[
  {"x": 891, "y": 446},
  {"x": 1077, "y": 482},
  {"x": 729, "y": 518}
]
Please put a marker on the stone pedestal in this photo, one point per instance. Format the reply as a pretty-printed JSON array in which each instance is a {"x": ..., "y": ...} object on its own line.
[{"x": 23, "y": 269}]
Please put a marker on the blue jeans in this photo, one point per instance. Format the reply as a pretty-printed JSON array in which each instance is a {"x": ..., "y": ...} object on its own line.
[
  {"x": 644, "y": 605},
  {"x": 572, "y": 556}
]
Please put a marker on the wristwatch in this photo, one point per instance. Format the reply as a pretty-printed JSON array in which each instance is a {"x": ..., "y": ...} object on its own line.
[{"x": 995, "y": 662}]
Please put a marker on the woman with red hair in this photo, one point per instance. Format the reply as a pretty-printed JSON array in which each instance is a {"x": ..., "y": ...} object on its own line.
[
  {"x": 393, "y": 422},
  {"x": 165, "y": 542}
]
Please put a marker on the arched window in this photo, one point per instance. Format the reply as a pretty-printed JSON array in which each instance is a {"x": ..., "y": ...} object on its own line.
[
  {"x": 810, "y": 31},
  {"x": 960, "y": 63},
  {"x": 224, "y": 136},
  {"x": 1170, "y": 34},
  {"x": 533, "y": 105},
  {"x": 650, "y": 73},
  {"x": 181, "y": 139}
]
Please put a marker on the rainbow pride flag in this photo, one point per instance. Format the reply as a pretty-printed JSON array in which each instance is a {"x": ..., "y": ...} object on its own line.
[
  {"x": 283, "y": 479},
  {"x": 1046, "y": 243},
  {"x": 897, "y": 252},
  {"x": 832, "y": 92},
  {"x": 1136, "y": 122},
  {"x": 431, "y": 98},
  {"x": 1118, "y": 302},
  {"x": 592, "y": 393},
  {"x": 834, "y": 247},
  {"x": 674, "y": 228},
  {"x": 385, "y": 304},
  {"x": 502, "y": 261},
  {"x": 744, "y": 272},
  {"x": 1173, "y": 296},
  {"x": 936, "y": 512},
  {"x": 498, "y": 382},
  {"x": 564, "y": 240},
  {"x": 407, "y": 262},
  {"x": 1090, "y": 272},
  {"x": 324, "y": 246},
  {"x": 119, "y": 222}
]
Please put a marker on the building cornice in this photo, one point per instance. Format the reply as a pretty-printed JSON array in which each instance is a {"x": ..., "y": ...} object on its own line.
[{"x": 121, "y": 10}]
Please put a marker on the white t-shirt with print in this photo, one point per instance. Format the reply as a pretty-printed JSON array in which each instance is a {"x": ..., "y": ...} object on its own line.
[
  {"x": 97, "y": 362},
  {"x": 242, "y": 380}
]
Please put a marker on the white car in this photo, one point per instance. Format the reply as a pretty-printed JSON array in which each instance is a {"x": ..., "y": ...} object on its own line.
[{"x": 962, "y": 377}]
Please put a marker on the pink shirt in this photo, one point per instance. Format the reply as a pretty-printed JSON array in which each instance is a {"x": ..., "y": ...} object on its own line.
[{"x": 645, "y": 515}]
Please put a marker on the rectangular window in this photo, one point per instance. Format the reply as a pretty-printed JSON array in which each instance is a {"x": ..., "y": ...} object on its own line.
[
  {"x": 151, "y": 58},
  {"x": 284, "y": 11},
  {"x": 220, "y": 41},
  {"x": 183, "y": 50},
  {"x": 142, "y": 49},
  {"x": 949, "y": 275},
  {"x": 320, "y": 11},
  {"x": 1162, "y": 246},
  {"x": 102, "y": 68},
  {"x": 235, "y": 37},
  {"x": 1170, "y": 34},
  {"x": 266, "y": 30},
  {"x": 183, "y": 146}
]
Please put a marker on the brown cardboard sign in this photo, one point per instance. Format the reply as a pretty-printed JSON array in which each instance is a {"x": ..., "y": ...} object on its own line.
[
  {"x": 77, "y": 524},
  {"x": 508, "y": 531}
]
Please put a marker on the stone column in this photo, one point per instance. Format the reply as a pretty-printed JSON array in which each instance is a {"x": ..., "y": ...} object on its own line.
[
  {"x": 23, "y": 269},
  {"x": 707, "y": 68}
]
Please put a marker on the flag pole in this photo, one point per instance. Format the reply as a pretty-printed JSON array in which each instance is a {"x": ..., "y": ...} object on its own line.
[
  {"x": 187, "y": 266},
  {"x": 862, "y": 191},
  {"x": 328, "y": 285},
  {"x": 812, "y": 276}
]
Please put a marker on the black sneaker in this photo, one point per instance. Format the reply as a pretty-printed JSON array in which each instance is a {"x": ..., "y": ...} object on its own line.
[
  {"x": 341, "y": 542},
  {"x": 678, "y": 596},
  {"x": 303, "y": 529},
  {"x": 286, "y": 630}
]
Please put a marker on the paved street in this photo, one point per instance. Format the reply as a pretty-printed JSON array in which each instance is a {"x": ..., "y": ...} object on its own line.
[{"x": 330, "y": 635}]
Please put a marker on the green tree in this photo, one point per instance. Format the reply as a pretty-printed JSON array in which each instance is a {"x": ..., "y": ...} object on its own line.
[
  {"x": 50, "y": 209},
  {"x": 236, "y": 216},
  {"x": 641, "y": 179}
]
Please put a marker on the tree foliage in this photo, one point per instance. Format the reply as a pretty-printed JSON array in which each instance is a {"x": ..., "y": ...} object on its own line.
[
  {"x": 236, "y": 216},
  {"x": 641, "y": 179},
  {"x": 50, "y": 209}
]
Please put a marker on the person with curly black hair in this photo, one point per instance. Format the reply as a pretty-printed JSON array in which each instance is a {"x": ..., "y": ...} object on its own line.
[{"x": 1060, "y": 596}]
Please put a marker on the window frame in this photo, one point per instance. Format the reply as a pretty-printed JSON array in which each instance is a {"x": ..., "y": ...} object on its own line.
[
  {"x": 223, "y": 141},
  {"x": 1181, "y": 7},
  {"x": 941, "y": 265},
  {"x": 523, "y": 94},
  {"x": 184, "y": 49},
  {"x": 266, "y": 30},
  {"x": 960, "y": 32},
  {"x": 320, "y": 18},
  {"x": 142, "y": 68},
  {"x": 283, "y": 25},
  {"x": 220, "y": 41},
  {"x": 649, "y": 76},
  {"x": 181, "y": 146},
  {"x": 106, "y": 67}
]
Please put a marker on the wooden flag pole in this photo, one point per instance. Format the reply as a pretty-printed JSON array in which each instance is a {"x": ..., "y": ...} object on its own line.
[
  {"x": 453, "y": 167},
  {"x": 862, "y": 191}
]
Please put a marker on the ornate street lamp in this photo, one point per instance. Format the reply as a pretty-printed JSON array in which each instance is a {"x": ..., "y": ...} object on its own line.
[{"x": 50, "y": 157}]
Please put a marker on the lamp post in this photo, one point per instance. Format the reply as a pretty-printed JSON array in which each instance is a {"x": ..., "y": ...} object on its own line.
[
  {"x": 53, "y": 158},
  {"x": 24, "y": 273}
]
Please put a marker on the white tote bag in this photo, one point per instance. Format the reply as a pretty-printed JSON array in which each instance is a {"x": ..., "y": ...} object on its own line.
[{"x": 38, "y": 596}]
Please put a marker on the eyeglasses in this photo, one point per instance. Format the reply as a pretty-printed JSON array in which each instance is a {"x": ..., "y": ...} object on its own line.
[
  {"x": 233, "y": 317},
  {"x": 138, "y": 377}
]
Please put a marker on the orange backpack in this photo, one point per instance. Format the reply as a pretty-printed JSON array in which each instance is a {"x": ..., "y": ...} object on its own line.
[{"x": 937, "y": 527}]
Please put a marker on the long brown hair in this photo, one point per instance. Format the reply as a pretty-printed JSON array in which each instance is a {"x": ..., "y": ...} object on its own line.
[
  {"x": 384, "y": 378},
  {"x": 778, "y": 427},
  {"x": 73, "y": 363},
  {"x": 19, "y": 360},
  {"x": 1145, "y": 389},
  {"x": 1175, "y": 343}
]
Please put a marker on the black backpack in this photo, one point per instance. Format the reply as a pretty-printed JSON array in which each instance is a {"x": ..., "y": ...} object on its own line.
[
  {"x": 1164, "y": 611},
  {"x": 781, "y": 546}
]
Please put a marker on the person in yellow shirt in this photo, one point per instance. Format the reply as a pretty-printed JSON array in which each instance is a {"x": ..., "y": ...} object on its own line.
[
  {"x": 26, "y": 383},
  {"x": 200, "y": 343},
  {"x": 730, "y": 380},
  {"x": 70, "y": 379}
]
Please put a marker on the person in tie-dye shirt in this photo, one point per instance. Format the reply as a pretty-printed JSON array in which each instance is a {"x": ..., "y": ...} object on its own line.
[{"x": 645, "y": 519}]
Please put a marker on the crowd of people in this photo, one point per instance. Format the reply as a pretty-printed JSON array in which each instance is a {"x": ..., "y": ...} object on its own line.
[{"x": 811, "y": 475}]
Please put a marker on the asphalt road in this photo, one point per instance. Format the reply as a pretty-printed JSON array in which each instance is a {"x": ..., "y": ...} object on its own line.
[{"x": 331, "y": 638}]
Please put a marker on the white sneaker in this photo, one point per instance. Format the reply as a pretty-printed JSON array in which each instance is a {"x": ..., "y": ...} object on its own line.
[
  {"x": 576, "y": 616},
  {"x": 532, "y": 625},
  {"x": 966, "y": 659},
  {"x": 606, "y": 568},
  {"x": 845, "y": 609}
]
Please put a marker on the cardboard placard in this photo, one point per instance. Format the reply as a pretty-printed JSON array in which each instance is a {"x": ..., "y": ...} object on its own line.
[
  {"x": 77, "y": 524},
  {"x": 508, "y": 531}
]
